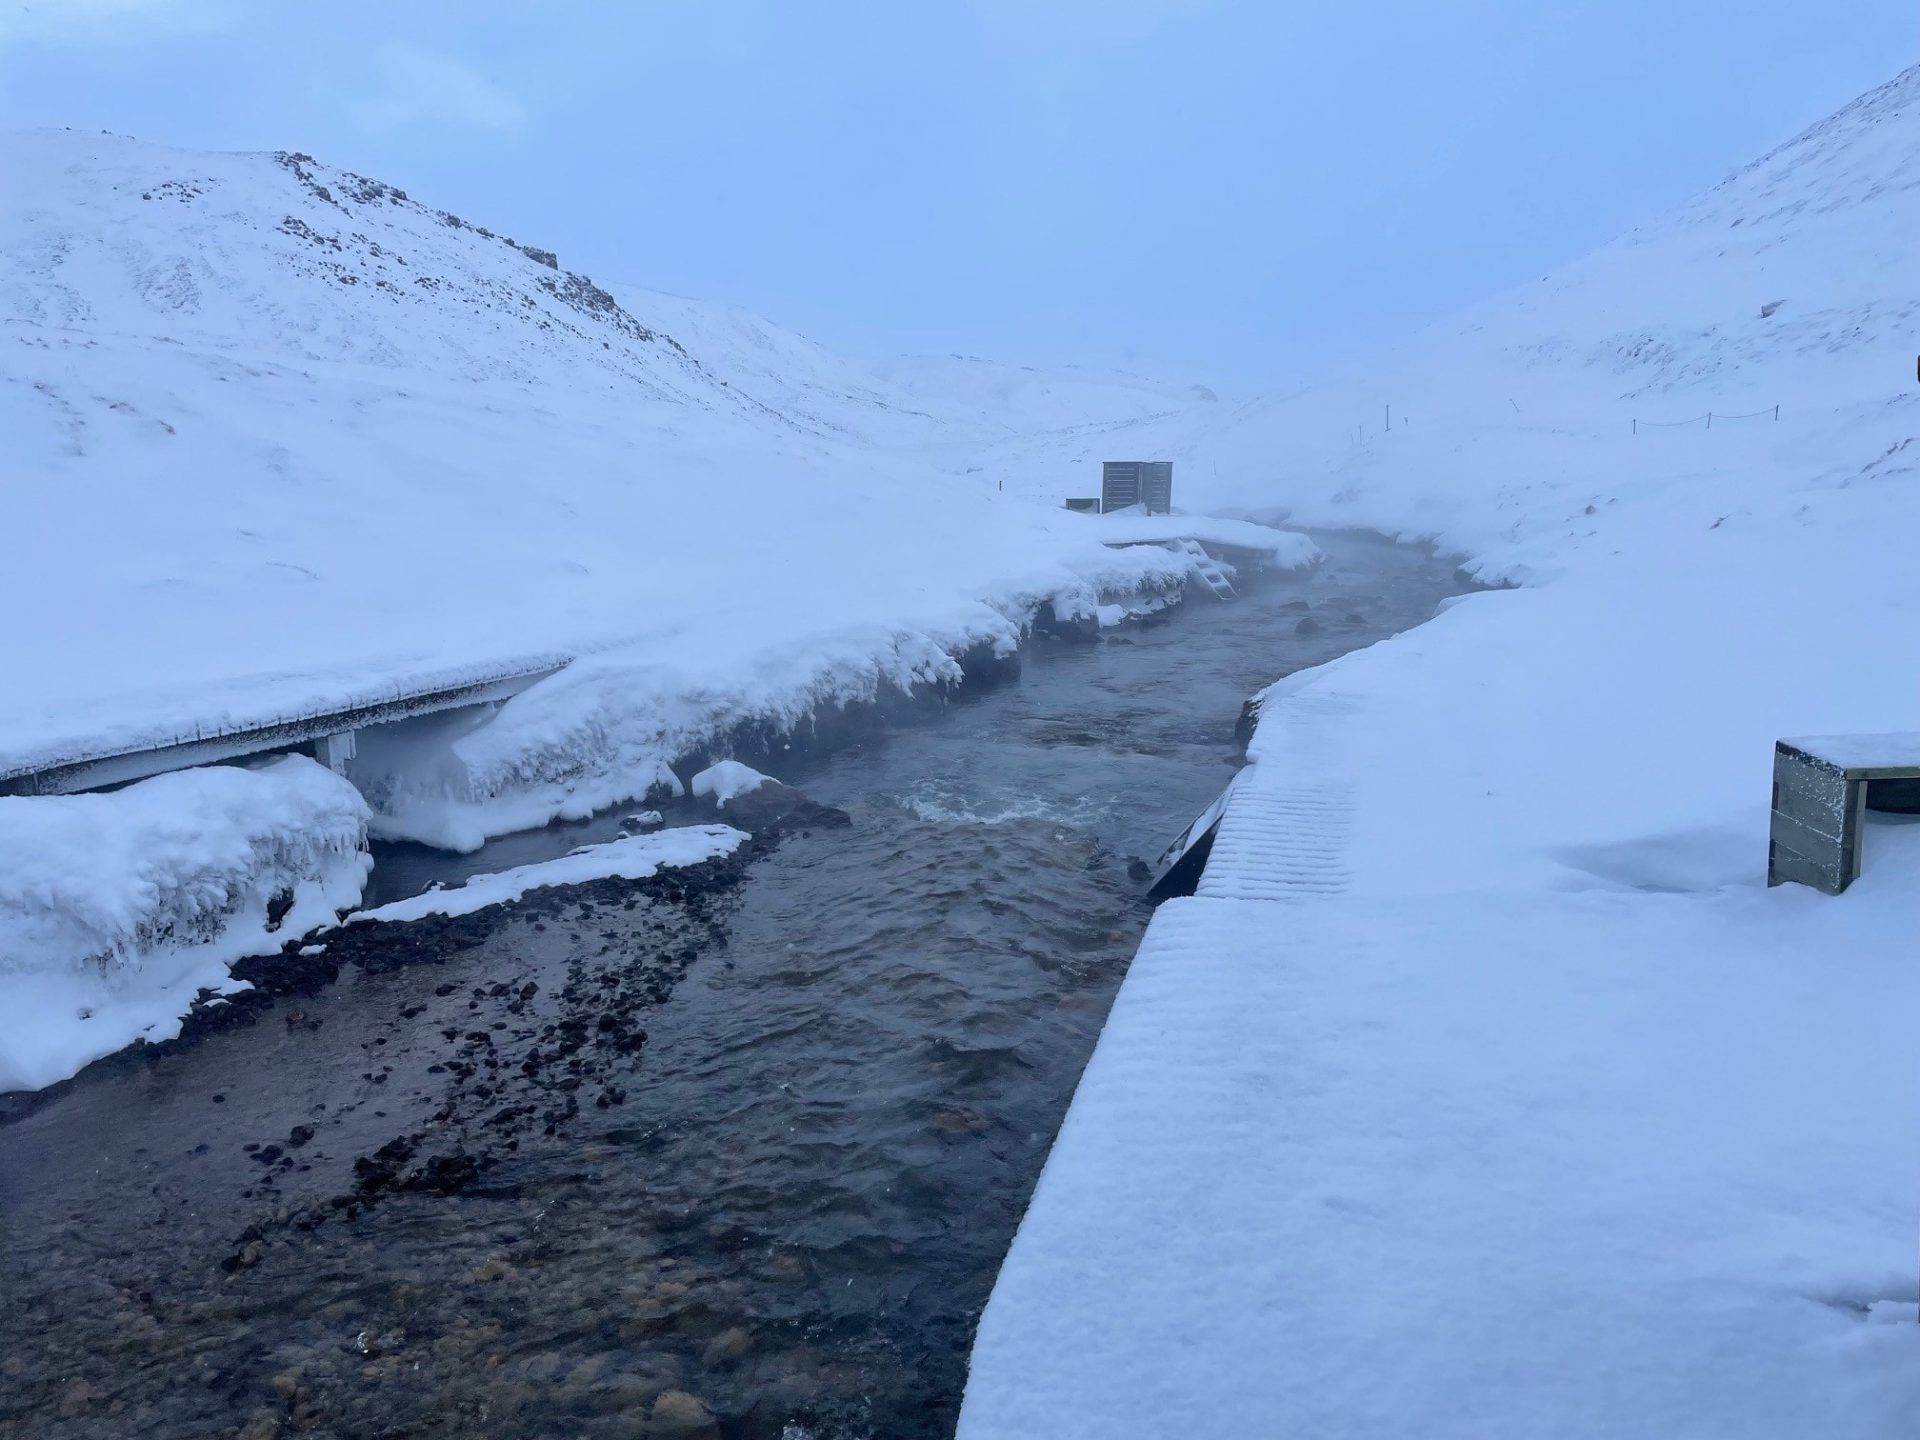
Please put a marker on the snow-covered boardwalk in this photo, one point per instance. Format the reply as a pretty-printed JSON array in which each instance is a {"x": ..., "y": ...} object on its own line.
[
  {"x": 1484, "y": 1089},
  {"x": 1434, "y": 1171}
]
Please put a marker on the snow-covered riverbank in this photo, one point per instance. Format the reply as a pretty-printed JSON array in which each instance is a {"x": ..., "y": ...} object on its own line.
[
  {"x": 1484, "y": 1089},
  {"x": 321, "y": 443}
]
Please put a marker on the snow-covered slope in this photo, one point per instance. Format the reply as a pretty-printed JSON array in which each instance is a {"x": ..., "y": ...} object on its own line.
[
  {"x": 279, "y": 436},
  {"x": 274, "y": 425},
  {"x": 1485, "y": 1089},
  {"x": 1791, "y": 284},
  {"x": 290, "y": 258},
  {"x": 808, "y": 385},
  {"x": 1027, "y": 399}
]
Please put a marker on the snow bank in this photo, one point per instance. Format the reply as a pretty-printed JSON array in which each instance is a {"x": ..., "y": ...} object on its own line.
[
  {"x": 608, "y": 728},
  {"x": 632, "y": 857},
  {"x": 116, "y": 909},
  {"x": 1484, "y": 1088},
  {"x": 726, "y": 779},
  {"x": 1283, "y": 549}
]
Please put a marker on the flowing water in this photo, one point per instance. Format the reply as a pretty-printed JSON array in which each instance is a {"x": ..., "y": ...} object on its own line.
[{"x": 750, "y": 1153}]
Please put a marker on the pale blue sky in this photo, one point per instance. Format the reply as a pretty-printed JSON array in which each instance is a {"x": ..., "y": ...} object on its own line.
[{"x": 1226, "y": 192}]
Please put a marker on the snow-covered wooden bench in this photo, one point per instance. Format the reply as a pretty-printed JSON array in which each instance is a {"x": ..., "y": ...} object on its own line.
[{"x": 1823, "y": 785}]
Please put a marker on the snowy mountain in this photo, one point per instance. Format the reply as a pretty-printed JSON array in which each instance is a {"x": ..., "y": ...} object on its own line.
[
  {"x": 291, "y": 258},
  {"x": 280, "y": 254},
  {"x": 1790, "y": 284}
]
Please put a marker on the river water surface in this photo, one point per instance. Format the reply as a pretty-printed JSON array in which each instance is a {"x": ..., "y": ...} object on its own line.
[{"x": 751, "y": 1152}]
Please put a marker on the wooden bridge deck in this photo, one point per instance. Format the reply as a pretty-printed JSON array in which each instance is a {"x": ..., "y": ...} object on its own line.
[{"x": 326, "y": 732}]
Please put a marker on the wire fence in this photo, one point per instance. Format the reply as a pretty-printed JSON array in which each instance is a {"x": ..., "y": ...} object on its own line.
[
  {"x": 1360, "y": 434},
  {"x": 1712, "y": 415}
]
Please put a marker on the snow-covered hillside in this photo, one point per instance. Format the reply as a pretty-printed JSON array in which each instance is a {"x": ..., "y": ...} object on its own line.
[
  {"x": 265, "y": 398},
  {"x": 1484, "y": 1088},
  {"x": 1792, "y": 284},
  {"x": 281, "y": 437},
  {"x": 1027, "y": 400},
  {"x": 290, "y": 258}
]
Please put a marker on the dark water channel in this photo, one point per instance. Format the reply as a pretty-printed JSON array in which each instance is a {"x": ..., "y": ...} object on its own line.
[{"x": 815, "y": 1099}]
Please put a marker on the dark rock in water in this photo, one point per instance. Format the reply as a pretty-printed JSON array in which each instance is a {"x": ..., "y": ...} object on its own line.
[
  {"x": 379, "y": 1170},
  {"x": 983, "y": 665},
  {"x": 1307, "y": 626},
  {"x": 1138, "y": 870},
  {"x": 445, "y": 1174},
  {"x": 641, "y": 821},
  {"x": 776, "y": 807},
  {"x": 1296, "y": 605},
  {"x": 1354, "y": 617},
  {"x": 391, "y": 1167},
  {"x": 1249, "y": 718},
  {"x": 1243, "y": 728},
  {"x": 1048, "y": 622}
]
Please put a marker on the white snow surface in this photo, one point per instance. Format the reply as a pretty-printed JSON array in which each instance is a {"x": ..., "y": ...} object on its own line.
[
  {"x": 632, "y": 857},
  {"x": 725, "y": 779},
  {"x": 116, "y": 910},
  {"x": 1484, "y": 1089},
  {"x": 1431, "y": 1166},
  {"x": 1862, "y": 752}
]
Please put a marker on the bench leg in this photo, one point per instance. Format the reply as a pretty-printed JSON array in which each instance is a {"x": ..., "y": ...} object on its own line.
[{"x": 1814, "y": 838}]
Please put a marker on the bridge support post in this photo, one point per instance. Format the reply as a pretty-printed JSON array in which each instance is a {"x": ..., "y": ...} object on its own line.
[{"x": 334, "y": 751}]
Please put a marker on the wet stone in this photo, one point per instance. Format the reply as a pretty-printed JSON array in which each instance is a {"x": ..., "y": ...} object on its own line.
[
  {"x": 676, "y": 1415},
  {"x": 729, "y": 1344}
]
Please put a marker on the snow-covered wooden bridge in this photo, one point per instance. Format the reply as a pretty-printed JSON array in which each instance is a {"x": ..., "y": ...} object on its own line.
[{"x": 325, "y": 731}]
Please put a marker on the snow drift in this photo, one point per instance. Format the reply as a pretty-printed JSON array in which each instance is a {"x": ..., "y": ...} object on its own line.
[
  {"x": 631, "y": 857},
  {"x": 116, "y": 910}
]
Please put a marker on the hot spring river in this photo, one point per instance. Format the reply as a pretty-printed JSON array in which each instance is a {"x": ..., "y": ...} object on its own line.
[{"x": 750, "y": 1151}]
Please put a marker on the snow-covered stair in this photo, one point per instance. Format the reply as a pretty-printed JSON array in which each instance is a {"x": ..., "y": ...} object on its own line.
[
  {"x": 1284, "y": 842},
  {"x": 1284, "y": 834},
  {"x": 1206, "y": 567}
]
